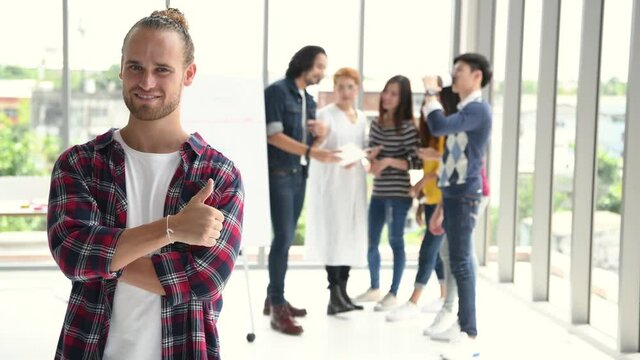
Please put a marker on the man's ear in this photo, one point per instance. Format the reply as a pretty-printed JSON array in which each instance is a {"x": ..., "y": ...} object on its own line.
[
  {"x": 477, "y": 75},
  {"x": 190, "y": 73}
]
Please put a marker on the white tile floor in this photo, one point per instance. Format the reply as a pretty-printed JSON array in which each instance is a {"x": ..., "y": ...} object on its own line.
[{"x": 32, "y": 306}]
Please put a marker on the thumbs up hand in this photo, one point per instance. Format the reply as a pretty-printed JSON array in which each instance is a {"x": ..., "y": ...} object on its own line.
[{"x": 198, "y": 224}]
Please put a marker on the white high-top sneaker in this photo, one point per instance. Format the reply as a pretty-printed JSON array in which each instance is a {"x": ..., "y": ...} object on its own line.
[
  {"x": 451, "y": 333},
  {"x": 462, "y": 347},
  {"x": 387, "y": 302},
  {"x": 406, "y": 311},
  {"x": 434, "y": 306},
  {"x": 369, "y": 295},
  {"x": 443, "y": 320}
]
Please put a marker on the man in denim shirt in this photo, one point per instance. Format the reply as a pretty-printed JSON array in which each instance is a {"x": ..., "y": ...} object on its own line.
[
  {"x": 460, "y": 180},
  {"x": 291, "y": 133}
]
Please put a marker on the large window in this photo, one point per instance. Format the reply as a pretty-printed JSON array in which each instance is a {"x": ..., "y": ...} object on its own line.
[
  {"x": 564, "y": 157},
  {"x": 610, "y": 143}
]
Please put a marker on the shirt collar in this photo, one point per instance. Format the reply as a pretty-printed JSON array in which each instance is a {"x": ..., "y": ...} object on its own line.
[
  {"x": 474, "y": 96},
  {"x": 195, "y": 142},
  {"x": 291, "y": 84}
]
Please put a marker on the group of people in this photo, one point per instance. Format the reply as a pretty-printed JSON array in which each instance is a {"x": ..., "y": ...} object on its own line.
[
  {"x": 146, "y": 220},
  {"x": 448, "y": 142}
]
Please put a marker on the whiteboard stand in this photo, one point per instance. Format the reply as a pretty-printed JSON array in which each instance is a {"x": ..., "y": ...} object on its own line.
[{"x": 251, "y": 335}]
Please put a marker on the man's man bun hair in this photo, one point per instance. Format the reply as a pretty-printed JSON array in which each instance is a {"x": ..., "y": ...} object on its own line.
[
  {"x": 173, "y": 14},
  {"x": 168, "y": 19}
]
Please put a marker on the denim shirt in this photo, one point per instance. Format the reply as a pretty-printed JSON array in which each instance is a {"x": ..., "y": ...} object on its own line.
[{"x": 283, "y": 112}]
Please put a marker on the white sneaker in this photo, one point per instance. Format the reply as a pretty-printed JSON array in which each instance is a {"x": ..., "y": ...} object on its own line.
[
  {"x": 449, "y": 334},
  {"x": 405, "y": 311},
  {"x": 369, "y": 295},
  {"x": 461, "y": 348},
  {"x": 387, "y": 302},
  {"x": 442, "y": 322},
  {"x": 434, "y": 306}
]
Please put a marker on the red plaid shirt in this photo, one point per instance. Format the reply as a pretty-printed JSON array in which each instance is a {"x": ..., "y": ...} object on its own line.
[{"x": 87, "y": 215}]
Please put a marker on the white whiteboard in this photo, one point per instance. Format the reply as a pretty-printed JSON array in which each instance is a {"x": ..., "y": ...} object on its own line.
[{"x": 229, "y": 114}]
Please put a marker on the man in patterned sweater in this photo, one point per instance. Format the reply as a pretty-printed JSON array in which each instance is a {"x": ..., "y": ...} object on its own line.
[
  {"x": 460, "y": 180},
  {"x": 146, "y": 220}
]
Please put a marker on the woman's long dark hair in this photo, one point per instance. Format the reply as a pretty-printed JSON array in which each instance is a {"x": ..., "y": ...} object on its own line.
[
  {"x": 449, "y": 101},
  {"x": 404, "y": 111}
]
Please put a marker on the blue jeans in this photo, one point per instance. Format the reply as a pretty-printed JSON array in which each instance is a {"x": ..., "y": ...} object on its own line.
[
  {"x": 286, "y": 189},
  {"x": 459, "y": 220},
  {"x": 429, "y": 258},
  {"x": 392, "y": 211}
]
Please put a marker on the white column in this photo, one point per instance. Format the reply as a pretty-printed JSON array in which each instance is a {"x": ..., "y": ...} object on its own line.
[
  {"x": 510, "y": 137},
  {"x": 585, "y": 152}
]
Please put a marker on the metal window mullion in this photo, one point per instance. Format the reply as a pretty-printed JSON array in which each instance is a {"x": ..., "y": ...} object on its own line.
[
  {"x": 484, "y": 42},
  {"x": 265, "y": 45},
  {"x": 456, "y": 22},
  {"x": 585, "y": 160},
  {"x": 510, "y": 137},
  {"x": 545, "y": 140},
  {"x": 629, "y": 281},
  {"x": 66, "y": 83},
  {"x": 361, "y": 54},
  {"x": 265, "y": 81}
]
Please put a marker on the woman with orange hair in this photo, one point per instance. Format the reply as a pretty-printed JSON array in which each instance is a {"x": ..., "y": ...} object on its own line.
[{"x": 336, "y": 232}]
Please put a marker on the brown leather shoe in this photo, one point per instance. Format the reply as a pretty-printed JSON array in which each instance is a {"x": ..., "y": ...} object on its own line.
[
  {"x": 281, "y": 320},
  {"x": 295, "y": 312}
]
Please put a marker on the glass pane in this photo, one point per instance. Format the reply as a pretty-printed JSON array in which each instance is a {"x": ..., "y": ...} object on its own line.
[
  {"x": 495, "y": 150},
  {"x": 334, "y": 26},
  {"x": 30, "y": 84},
  {"x": 563, "y": 156},
  {"x": 227, "y": 37},
  {"x": 527, "y": 140},
  {"x": 610, "y": 142},
  {"x": 30, "y": 119},
  {"x": 393, "y": 31}
]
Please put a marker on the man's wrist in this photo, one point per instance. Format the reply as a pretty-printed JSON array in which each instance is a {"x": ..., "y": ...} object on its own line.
[{"x": 307, "y": 153}]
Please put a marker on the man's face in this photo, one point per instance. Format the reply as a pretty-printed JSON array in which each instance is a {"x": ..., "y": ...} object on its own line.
[
  {"x": 465, "y": 79},
  {"x": 153, "y": 73},
  {"x": 316, "y": 73}
]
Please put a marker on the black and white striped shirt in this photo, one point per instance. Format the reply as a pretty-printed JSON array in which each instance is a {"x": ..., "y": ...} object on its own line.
[{"x": 400, "y": 144}]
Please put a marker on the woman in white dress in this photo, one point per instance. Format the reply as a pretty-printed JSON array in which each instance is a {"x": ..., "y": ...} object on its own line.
[{"x": 336, "y": 230}]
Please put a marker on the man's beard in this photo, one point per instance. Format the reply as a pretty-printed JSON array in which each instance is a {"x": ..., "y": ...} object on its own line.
[{"x": 147, "y": 113}]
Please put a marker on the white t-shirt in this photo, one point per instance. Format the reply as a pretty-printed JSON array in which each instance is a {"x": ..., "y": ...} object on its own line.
[
  {"x": 136, "y": 330},
  {"x": 303, "y": 160}
]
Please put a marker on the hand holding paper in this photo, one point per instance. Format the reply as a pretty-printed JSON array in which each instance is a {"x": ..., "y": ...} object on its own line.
[{"x": 350, "y": 153}]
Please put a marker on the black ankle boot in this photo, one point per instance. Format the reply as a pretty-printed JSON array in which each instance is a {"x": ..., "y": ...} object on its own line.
[
  {"x": 337, "y": 303},
  {"x": 347, "y": 299}
]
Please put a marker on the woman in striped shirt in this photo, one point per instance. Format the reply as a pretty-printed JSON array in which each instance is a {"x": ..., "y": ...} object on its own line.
[{"x": 393, "y": 139}]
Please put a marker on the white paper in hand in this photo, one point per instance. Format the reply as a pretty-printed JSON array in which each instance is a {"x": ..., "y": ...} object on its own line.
[{"x": 350, "y": 153}]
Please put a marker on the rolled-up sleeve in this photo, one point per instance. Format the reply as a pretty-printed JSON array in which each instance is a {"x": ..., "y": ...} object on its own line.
[{"x": 274, "y": 105}]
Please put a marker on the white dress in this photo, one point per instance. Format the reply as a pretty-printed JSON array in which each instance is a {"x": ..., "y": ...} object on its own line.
[{"x": 336, "y": 229}]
